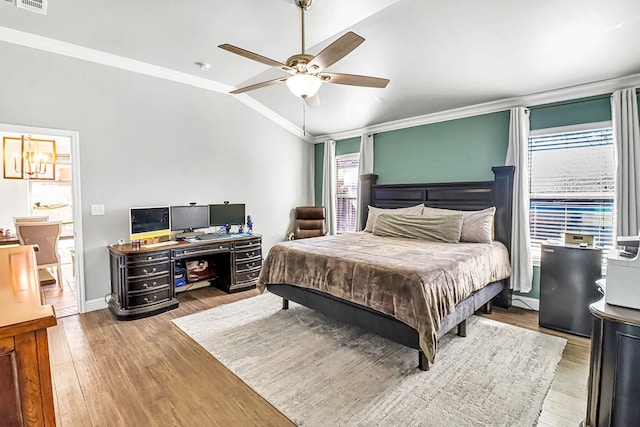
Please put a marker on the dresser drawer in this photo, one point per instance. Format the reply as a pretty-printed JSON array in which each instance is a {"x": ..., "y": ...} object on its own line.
[
  {"x": 148, "y": 298},
  {"x": 148, "y": 283},
  {"x": 248, "y": 264},
  {"x": 148, "y": 270}
]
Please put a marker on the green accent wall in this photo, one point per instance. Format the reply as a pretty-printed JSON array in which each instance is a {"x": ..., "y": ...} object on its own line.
[
  {"x": 456, "y": 150},
  {"x": 347, "y": 146},
  {"x": 579, "y": 111}
]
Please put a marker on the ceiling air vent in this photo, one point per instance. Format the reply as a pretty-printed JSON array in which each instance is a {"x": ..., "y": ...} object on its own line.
[{"x": 38, "y": 6}]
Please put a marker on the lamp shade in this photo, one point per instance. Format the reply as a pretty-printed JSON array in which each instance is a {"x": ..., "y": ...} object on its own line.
[{"x": 304, "y": 85}]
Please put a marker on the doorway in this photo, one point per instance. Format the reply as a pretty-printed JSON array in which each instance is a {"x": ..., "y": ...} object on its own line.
[{"x": 59, "y": 200}]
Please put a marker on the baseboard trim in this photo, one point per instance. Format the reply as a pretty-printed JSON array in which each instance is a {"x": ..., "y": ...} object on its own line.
[
  {"x": 527, "y": 303},
  {"x": 94, "y": 304}
]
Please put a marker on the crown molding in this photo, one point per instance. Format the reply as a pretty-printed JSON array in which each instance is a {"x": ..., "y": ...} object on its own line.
[
  {"x": 531, "y": 100},
  {"x": 21, "y": 38}
]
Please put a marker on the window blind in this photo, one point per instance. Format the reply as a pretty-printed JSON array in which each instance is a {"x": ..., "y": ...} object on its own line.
[
  {"x": 346, "y": 192},
  {"x": 572, "y": 178}
]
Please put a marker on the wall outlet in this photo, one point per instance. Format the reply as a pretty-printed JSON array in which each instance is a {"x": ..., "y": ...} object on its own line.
[{"x": 97, "y": 209}]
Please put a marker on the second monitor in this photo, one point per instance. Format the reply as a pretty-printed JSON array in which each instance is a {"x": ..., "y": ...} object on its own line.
[
  {"x": 189, "y": 218},
  {"x": 226, "y": 214}
]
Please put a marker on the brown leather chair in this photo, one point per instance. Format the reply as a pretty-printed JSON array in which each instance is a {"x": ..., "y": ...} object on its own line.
[{"x": 309, "y": 222}]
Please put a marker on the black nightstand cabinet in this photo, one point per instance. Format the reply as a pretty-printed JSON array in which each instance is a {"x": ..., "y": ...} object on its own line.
[{"x": 567, "y": 287}]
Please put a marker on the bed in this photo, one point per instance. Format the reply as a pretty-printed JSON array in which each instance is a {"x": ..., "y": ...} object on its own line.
[{"x": 378, "y": 282}]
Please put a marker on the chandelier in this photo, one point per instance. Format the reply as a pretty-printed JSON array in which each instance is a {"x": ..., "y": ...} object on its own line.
[{"x": 31, "y": 158}]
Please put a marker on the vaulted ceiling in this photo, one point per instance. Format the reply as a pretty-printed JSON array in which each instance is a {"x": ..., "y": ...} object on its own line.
[{"x": 439, "y": 55}]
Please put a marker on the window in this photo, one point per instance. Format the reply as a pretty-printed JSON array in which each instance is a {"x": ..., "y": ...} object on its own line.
[
  {"x": 346, "y": 191},
  {"x": 572, "y": 177}
]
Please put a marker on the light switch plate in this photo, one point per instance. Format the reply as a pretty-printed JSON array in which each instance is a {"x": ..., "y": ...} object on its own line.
[{"x": 97, "y": 209}]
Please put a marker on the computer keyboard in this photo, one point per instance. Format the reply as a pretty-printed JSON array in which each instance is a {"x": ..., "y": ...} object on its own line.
[
  {"x": 212, "y": 236},
  {"x": 159, "y": 244}
]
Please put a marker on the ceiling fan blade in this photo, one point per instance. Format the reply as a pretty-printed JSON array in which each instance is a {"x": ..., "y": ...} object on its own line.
[
  {"x": 335, "y": 51},
  {"x": 259, "y": 85},
  {"x": 254, "y": 56},
  {"x": 354, "y": 80}
]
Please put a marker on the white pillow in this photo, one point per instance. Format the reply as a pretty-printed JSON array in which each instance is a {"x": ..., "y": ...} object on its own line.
[
  {"x": 374, "y": 212},
  {"x": 477, "y": 226}
]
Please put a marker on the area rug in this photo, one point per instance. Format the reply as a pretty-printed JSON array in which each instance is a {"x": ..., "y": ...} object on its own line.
[{"x": 319, "y": 372}]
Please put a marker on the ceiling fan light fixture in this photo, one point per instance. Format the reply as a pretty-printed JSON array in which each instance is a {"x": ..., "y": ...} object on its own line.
[{"x": 304, "y": 85}]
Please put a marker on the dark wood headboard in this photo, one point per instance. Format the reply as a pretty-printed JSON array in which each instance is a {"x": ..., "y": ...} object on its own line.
[{"x": 472, "y": 195}]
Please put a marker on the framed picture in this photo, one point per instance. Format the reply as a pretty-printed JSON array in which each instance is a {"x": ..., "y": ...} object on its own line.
[
  {"x": 29, "y": 158},
  {"x": 12, "y": 157}
]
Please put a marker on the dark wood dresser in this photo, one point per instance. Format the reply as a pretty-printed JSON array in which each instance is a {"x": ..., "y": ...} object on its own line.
[
  {"x": 26, "y": 394},
  {"x": 143, "y": 281}
]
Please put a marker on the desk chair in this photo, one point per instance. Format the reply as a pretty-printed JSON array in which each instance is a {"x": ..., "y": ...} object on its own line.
[
  {"x": 309, "y": 222},
  {"x": 46, "y": 235}
]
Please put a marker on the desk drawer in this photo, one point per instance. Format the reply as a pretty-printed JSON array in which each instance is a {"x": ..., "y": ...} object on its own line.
[
  {"x": 201, "y": 250},
  {"x": 246, "y": 254},
  {"x": 148, "y": 257},
  {"x": 149, "y": 298},
  {"x": 148, "y": 283},
  {"x": 248, "y": 264},
  {"x": 247, "y": 276},
  {"x": 247, "y": 244},
  {"x": 148, "y": 270}
]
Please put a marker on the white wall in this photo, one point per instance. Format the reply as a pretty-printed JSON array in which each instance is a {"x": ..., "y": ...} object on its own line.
[{"x": 146, "y": 141}]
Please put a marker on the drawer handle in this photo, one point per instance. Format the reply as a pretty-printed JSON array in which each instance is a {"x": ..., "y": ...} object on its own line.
[
  {"x": 250, "y": 254},
  {"x": 149, "y": 257},
  {"x": 153, "y": 270},
  {"x": 251, "y": 264},
  {"x": 155, "y": 297},
  {"x": 153, "y": 285},
  {"x": 251, "y": 275}
]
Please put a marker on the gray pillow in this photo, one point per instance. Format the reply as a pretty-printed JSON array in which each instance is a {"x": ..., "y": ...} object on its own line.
[
  {"x": 374, "y": 212},
  {"x": 438, "y": 228},
  {"x": 477, "y": 226}
]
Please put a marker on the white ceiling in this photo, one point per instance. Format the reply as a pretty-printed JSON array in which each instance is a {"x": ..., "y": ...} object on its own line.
[{"x": 438, "y": 54}]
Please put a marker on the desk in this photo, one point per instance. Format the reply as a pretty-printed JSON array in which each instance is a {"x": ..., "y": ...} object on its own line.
[
  {"x": 26, "y": 394},
  {"x": 13, "y": 240},
  {"x": 143, "y": 280},
  {"x": 614, "y": 374}
]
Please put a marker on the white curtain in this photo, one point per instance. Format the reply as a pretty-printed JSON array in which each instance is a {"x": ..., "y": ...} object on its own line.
[
  {"x": 329, "y": 185},
  {"x": 626, "y": 136},
  {"x": 365, "y": 166},
  {"x": 518, "y": 156}
]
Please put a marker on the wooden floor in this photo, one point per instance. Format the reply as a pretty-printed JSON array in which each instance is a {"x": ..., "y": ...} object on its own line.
[{"x": 147, "y": 372}]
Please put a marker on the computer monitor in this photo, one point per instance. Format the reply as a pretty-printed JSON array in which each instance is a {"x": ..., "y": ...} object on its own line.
[
  {"x": 146, "y": 223},
  {"x": 226, "y": 214},
  {"x": 189, "y": 218}
]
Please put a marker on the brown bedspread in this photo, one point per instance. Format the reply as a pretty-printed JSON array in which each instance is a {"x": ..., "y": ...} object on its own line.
[{"x": 416, "y": 281}]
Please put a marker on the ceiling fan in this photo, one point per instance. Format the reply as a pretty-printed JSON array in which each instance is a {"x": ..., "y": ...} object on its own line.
[{"x": 307, "y": 71}]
